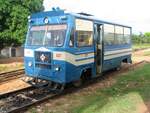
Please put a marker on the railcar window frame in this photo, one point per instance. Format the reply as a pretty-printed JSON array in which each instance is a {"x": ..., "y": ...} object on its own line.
[
  {"x": 87, "y": 40},
  {"x": 128, "y": 34},
  {"x": 119, "y": 35},
  {"x": 46, "y": 29},
  {"x": 84, "y": 27},
  {"x": 109, "y": 33}
]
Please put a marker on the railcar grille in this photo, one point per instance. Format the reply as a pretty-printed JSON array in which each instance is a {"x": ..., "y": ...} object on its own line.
[
  {"x": 42, "y": 57},
  {"x": 43, "y": 66}
]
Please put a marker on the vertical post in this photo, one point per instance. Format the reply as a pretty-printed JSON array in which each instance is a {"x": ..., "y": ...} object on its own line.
[{"x": 10, "y": 54}]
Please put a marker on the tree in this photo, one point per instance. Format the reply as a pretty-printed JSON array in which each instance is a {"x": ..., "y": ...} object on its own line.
[
  {"x": 13, "y": 20},
  {"x": 147, "y": 34},
  {"x": 139, "y": 39}
]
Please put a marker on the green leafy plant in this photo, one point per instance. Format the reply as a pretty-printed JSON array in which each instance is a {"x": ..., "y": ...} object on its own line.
[{"x": 13, "y": 20}]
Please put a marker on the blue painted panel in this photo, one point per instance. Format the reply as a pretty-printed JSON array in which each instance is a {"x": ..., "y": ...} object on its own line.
[
  {"x": 68, "y": 72},
  {"x": 115, "y": 62},
  {"x": 116, "y": 47},
  {"x": 47, "y": 14},
  {"x": 29, "y": 70},
  {"x": 74, "y": 72}
]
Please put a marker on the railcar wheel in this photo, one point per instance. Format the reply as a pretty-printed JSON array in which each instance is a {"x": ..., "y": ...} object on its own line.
[
  {"x": 118, "y": 68},
  {"x": 38, "y": 82},
  {"x": 78, "y": 83},
  {"x": 85, "y": 76},
  {"x": 56, "y": 86}
]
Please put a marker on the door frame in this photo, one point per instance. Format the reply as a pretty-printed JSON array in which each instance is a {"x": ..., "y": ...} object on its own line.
[{"x": 98, "y": 36}]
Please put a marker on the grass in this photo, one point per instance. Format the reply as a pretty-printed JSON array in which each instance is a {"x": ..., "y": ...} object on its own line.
[
  {"x": 147, "y": 53},
  {"x": 140, "y": 46},
  {"x": 122, "y": 104},
  {"x": 10, "y": 67},
  {"x": 124, "y": 96}
]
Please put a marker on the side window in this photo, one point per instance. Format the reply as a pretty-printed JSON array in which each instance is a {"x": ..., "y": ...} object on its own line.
[
  {"x": 84, "y": 32},
  {"x": 84, "y": 38},
  {"x": 119, "y": 38},
  {"x": 108, "y": 34},
  {"x": 127, "y": 35}
]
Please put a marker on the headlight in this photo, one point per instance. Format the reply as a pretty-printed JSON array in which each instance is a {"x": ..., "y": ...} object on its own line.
[
  {"x": 46, "y": 20},
  {"x": 57, "y": 68},
  {"x": 29, "y": 64}
]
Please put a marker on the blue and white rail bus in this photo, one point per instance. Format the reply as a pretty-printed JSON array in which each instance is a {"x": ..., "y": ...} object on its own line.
[{"x": 64, "y": 47}]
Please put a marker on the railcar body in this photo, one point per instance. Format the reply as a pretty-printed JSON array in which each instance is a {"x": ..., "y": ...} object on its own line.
[{"x": 61, "y": 46}]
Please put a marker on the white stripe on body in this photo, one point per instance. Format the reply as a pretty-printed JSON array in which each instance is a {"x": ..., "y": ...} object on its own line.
[
  {"x": 71, "y": 58},
  {"x": 117, "y": 51},
  {"x": 116, "y": 55}
]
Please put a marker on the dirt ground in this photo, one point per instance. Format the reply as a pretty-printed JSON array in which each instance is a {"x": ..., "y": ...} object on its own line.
[
  {"x": 11, "y": 64},
  {"x": 11, "y": 60},
  {"x": 138, "y": 56}
]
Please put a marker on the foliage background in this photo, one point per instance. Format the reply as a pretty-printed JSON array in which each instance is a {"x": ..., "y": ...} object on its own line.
[
  {"x": 13, "y": 20},
  {"x": 141, "y": 39}
]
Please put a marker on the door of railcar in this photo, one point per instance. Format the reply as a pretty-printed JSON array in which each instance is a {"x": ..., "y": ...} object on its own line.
[{"x": 98, "y": 28}]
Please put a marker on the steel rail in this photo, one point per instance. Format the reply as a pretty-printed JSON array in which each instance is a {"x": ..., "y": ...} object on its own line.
[
  {"x": 11, "y": 75},
  {"x": 4, "y": 95},
  {"x": 5, "y": 73}
]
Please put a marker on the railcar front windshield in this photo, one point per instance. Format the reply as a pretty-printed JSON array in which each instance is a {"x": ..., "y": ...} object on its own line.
[{"x": 48, "y": 35}]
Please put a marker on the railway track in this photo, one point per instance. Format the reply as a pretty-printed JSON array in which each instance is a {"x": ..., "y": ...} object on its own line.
[
  {"x": 22, "y": 99},
  {"x": 11, "y": 75}
]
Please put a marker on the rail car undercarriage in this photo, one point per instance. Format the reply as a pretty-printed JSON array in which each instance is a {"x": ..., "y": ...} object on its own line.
[{"x": 36, "y": 82}]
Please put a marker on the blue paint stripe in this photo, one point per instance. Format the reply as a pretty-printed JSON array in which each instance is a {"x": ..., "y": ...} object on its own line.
[
  {"x": 85, "y": 58},
  {"x": 85, "y": 52}
]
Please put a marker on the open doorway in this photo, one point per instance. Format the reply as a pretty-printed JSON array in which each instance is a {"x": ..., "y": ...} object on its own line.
[{"x": 98, "y": 47}]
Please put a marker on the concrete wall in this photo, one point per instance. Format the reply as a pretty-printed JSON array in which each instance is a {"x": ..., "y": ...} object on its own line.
[
  {"x": 19, "y": 52},
  {"x": 6, "y": 52},
  {"x": 12, "y": 52}
]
